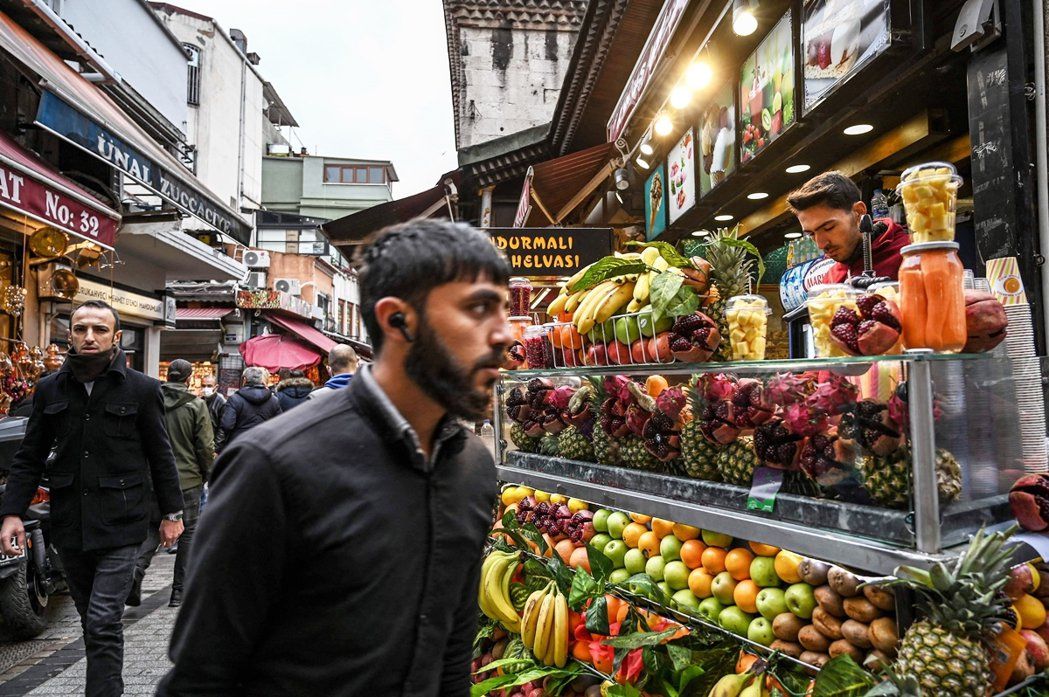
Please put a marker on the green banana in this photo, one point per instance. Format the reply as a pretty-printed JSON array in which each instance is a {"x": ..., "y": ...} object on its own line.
[
  {"x": 660, "y": 264},
  {"x": 649, "y": 255}
]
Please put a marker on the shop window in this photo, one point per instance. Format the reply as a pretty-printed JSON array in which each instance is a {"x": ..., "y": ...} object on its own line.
[
  {"x": 193, "y": 75},
  {"x": 133, "y": 343},
  {"x": 354, "y": 174}
]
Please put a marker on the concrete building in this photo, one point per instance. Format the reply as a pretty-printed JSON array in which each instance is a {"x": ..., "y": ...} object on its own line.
[{"x": 324, "y": 187}]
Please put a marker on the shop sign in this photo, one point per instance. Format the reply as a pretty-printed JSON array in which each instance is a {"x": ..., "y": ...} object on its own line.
[
  {"x": 681, "y": 177},
  {"x": 655, "y": 203},
  {"x": 125, "y": 302},
  {"x": 551, "y": 251},
  {"x": 273, "y": 300},
  {"x": 839, "y": 39},
  {"x": 645, "y": 68},
  {"x": 66, "y": 122},
  {"x": 766, "y": 88},
  {"x": 524, "y": 206}
]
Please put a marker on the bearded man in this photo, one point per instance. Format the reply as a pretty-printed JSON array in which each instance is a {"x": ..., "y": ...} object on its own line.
[{"x": 341, "y": 547}]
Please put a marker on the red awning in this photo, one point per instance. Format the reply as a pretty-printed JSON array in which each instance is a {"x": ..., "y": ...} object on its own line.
[
  {"x": 556, "y": 187},
  {"x": 302, "y": 330},
  {"x": 276, "y": 351},
  {"x": 198, "y": 314}
]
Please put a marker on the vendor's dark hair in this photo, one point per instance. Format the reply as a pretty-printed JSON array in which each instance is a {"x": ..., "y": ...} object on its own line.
[
  {"x": 832, "y": 189},
  {"x": 409, "y": 260},
  {"x": 99, "y": 305}
]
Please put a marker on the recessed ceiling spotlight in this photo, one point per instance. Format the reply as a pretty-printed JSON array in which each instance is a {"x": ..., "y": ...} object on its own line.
[
  {"x": 723, "y": 217},
  {"x": 700, "y": 233},
  {"x": 647, "y": 149},
  {"x": 680, "y": 96},
  {"x": 858, "y": 130},
  {"x": 699, "y": 74},
  {"x": 744, "y": 23},
  {"x": 642, "y": 162},
  {"x": 798, "y": 169},
  {"x": 663, "y": 125},
  {"x": 792, "y": 235},
  {"x": 757, "y": 195}
]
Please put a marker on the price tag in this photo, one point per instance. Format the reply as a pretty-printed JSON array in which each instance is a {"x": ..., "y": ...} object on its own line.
[
  {"x": 1037, "y": 541},
  {"x": 763, "y": 489}
]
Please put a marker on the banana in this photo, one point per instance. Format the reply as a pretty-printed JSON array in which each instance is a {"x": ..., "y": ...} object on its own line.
[
  {"x": 644, "y": 284},
  {"x": 730, "y": 685},
  {"x": 632, "y": 256},
  {"x": 574, "y": 299},
  {"x": 576, "y": 278},
  {"x": 634, "y": 305},
  {"x": 557, "y": 305},
  {"x": 584, "y": 313},
  {"x": 661, "y": 264},
  {"x": 482, "y": 591},
  {"x": 649, "y": 255},
  {"x": 543, "y": 627},
  {"x": 531, "y": 615},
  {"x": 614, "y": 302},
  {"x": 497, "y": 586},
  {"x": 560, "y": 640},
  {"x": 755, "y": 689}
]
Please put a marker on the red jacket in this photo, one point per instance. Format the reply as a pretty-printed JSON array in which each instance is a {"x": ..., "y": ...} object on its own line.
[{"x": 885, "y": 251}]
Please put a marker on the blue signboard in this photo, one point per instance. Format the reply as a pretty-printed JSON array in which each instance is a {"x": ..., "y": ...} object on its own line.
[{"x": 66, "y": 122}]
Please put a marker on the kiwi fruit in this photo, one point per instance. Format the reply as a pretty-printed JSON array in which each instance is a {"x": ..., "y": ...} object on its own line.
[
  {"x": 843, "y": 582},
  {"x": 789, "y": 648},
  {"x": 861, "y": 610},
  {"x": 843, "y": 646},
  {"x": 856, "y": 634},
  {"x": 786, "y": 626},
  {"x": 827, "y": 624},
  {"x": 813, "y": 571},
  {"x": 814, "y": 658},
  {"x": 812, "y": 640},
  {"x": 829, "y": 601},
  {"x": 884, "y": 635},
  {"x": 875, "y": 660},
  {"x": 881, "y": 598}
]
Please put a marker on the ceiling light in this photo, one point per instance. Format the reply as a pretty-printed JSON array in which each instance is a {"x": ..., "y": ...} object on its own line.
[
  {"x": 744, "y": 23},
  {"x": 663, "y": 125},
  {"x": 757, "y": 195},
  {"x": 723, "y": 217},
  {"x": 858, "y": 130},
  {"x": 797, "y": 169},
  {"x": 620, "y": 177},
  {"x": 700, "y": 233},
  {"x": 619, "y": 197},
  {"x": 699, "y": 74},
  {"x": 792, "y": 235},
  {"x": 642, "y": 162},
  {"x": 647, "y": 149},
  {"x": 680, "y": 97}
]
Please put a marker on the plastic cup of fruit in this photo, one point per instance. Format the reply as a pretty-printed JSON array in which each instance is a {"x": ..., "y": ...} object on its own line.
[
  {"x": 520, "y": 295},
  {"x": 930, "y": 196},
  {"x": 823, "y": 301},
  {"x": 748, "y": 326},
  {"x": 890, "y": 290},
  {"x": 538, "y": 351}
]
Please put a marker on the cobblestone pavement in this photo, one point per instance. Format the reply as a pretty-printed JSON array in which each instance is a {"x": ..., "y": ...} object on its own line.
[{"x": 54, "y": 663}]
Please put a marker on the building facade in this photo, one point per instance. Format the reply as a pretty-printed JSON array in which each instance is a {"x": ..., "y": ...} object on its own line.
[{"x": 325, "y": 187}]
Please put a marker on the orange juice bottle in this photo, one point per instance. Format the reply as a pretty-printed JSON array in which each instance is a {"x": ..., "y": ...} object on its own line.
[{"x": 932, "y": 297}]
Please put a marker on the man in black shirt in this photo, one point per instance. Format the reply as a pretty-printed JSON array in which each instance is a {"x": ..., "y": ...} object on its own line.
[{"x": 340, "y": 551}]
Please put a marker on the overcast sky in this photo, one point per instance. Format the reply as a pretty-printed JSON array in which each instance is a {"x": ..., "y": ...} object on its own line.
[{"x": 363, "y": 78}]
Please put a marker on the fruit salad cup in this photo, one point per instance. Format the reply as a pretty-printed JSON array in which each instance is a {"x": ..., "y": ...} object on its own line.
[
  {"x": 823, "y": 301},
  {"x": 932, "y": 297},
  {"x": 748, "y": 325},
  {"x": 930, "y": 195},
  {"x": 890, "y": 290}
]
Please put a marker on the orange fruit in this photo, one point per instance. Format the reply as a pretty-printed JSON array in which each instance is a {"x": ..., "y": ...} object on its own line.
[
  {"x": 699, "y": 582},
  {"x": 1031, "y": 611},
  {"x": 655, "y": 384},
  {"x": 662, "y": 528},
  {"x": 763, "y": 550},
  {"x": 686, "y": 532},
  {"x": 746, "y": 596},
  {"x": 622, "y": 613},
  {"x": 612, "y": 605},
  {"x": 632, "y": 533},
  {"x": 570, "y": 337},
  {"x": 579, "y": 559},
  {"x": 746, "y": 660},
  {"x": 714, "y": 560},
  {"x": 786, "y": 565},
  {"x": 555, "y": 338},
  {"x": 581, "y": 651},
  {"x": 737, "y": 563},
  {"x": 549, "y": 545},
  {"x": 649, "y": 543},
  {"x": 564, "y": 549},
  {"x": 692, "y": 553},
  {"x": 640, "y": 518}
]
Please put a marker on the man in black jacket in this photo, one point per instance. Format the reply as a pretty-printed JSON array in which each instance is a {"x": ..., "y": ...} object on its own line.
[
  {"x": 248, "y": 407},
  {"x": 293, "y": 390},
  {"x": 214, "y": 399},
  {"x": 340, "y": 552},
  {"x": 106, "y": 424}
]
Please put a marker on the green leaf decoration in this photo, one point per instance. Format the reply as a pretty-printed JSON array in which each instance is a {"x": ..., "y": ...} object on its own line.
[
  {"x": 584, "y": 587},
  {"x": 622, "y": 691},
  {"x": 561, "y": 574},
  {"x": 842, "y": 677},
  {"x": 640, "y": 639},
  {"x": 532, "y": 674},
  {"x": 748, "y": 246},
  {"x": 688, "y": 675},
  {"x": 532, "y": 533},
  {"x": 597, "y": 616},
  {"x": 666, "y": 250},
  {"x": 680, "y": 656},
  {"x": 606, "y": 268},
  {"x": 600, "y": 565},
  {"x": 663, "y": 292},
  {"x": 643, "y": 585},
  {"x": 685, "y": 302}
]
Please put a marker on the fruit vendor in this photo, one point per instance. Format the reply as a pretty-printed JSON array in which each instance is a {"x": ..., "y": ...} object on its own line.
[{"x": 829, "y": 207}]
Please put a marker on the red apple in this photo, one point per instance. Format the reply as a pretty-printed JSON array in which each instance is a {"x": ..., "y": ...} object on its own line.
[
  {"x": 659, "y": 348},
  {"x": 1037, "y": 649},
  {"x": 596, "y": 355},
  {"x": 618, "y": 354},
  {"x": 639, "y": 352}
]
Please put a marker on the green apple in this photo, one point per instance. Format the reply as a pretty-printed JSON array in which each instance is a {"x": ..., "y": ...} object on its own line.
[
  {"x": 603, "y": 333},
  {"x": 711, "y": 608},
  {"x": 619, "y": 576},
  {"x": 670, "y": 548},
  {"x": 650, "y": 328},
  {"x": 760, "y": 631},
  {"x": 665, "y": 588},
  {"x": 617, "y": 522},
  {"x": 600, "y": 520},
  {"x": 763, "y": 572},
  {"x": 654, "y": 568},
  {"x": 686, "y": 601},
  {"x": 616, "y": 551},
  {"x": 626, "y": 330},
  {"x": 800, "y": 600},
  {"x": 675, "y": 573},
  {"x": 716, "y": 539},
  {"x": 735, "y": 620},
  {"x": 771, "y": 602},
  {"x": 634, "y": 561},
  {"x": 599, "y": 540},
  {"x": 723, "y": 587}
]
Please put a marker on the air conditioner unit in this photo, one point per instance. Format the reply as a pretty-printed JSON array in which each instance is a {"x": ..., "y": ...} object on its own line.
[
  {"x": 288, "y": 285},
  {"x": 257, "y": 259},
  {"x": 255, "y": 280}
]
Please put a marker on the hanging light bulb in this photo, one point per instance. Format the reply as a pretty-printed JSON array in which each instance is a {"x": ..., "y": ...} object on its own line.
[
  {"x": 680, "y": 96},
  {"x": 642, "y": 162},
  {"x": 663, "y": 125},
  {"x": 647, "y": 149},
  {"x": 744, "y": 23},
  {"x": 699, "y": 74}
]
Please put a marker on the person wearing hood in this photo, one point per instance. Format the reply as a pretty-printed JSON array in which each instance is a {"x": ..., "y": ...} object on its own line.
[
  {"x": 248, "y": 407},
  {"x": 294, "y": 390}
]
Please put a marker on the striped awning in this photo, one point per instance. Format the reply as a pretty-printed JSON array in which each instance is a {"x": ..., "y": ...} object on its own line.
[{"x": 198, "y": 314}]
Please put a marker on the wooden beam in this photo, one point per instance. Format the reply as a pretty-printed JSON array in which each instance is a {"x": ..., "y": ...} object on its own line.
[
  {"x": 588, "y": 188},
  {"x": 535, "y": 197}
]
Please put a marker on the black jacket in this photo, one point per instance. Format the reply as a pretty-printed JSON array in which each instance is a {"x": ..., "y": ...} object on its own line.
[
  {"x": 216, "y": 403},
  {"x": 335, "y": 560},
  {"x": 245, "y": 409},
  {"x": 293, "y": 392},
  {"x": 106, "y": 446}
]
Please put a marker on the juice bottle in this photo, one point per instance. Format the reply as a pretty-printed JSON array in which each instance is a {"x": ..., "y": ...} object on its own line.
[
  {"x": 520, "y": 296},
  {"x": 932, "y": 297}
]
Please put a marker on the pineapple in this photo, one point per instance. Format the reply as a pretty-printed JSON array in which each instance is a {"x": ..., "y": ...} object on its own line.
[
  {"x": 606, "y": 449},
  {"x": 699, "y": 456},
  {"x": 888, "y": 479},
  {"x": 737, "y": 461},
  {"x": 573, "y": 445},
  {"x": 548, "y": 445},
  {"x": 961, "y": 605},
  {"x": 634, "y": 455},
  {"x": 730, "y": 275},
  {"x": 523, "y": 441}
]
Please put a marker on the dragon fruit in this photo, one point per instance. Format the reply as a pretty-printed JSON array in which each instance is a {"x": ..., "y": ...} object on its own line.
[
  {"x": 777, "y": 446},
  {"x": 827, "y": 459},
  {"x": 559, "y": 397},
  {"x": 671, "y": 402},
  {"x": 750, "y": 407},
  {"x": 787, "y": 388}
]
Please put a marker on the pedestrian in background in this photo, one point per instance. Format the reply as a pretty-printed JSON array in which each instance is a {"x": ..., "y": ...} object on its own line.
[
  {"x": 214, "y": 399},
  {"x": 342, "y": 362},
  {"x": 332, "y": 516},
  {"x": 248, "y": 407},
  {"x": 293, "y": 390},
  {"x": 105, "y": 422}
]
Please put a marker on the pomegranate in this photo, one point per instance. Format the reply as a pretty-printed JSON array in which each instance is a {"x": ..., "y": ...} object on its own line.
[
  {"x": 694, "y": 338},
  {"x": 870, "y": 332},
  {"x": 1029, "y": 500},
  {"x": 985, "y": 322}
]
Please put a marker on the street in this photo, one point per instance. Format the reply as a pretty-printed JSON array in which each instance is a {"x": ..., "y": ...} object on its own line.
[{"x": 54, "y": 664}]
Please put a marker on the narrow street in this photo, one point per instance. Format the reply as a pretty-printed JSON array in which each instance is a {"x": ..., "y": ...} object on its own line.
[{"x": 54, "y": 663}]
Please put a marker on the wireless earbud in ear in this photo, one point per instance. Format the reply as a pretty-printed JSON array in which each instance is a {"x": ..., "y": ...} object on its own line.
[{"x": 398, "y": 322}]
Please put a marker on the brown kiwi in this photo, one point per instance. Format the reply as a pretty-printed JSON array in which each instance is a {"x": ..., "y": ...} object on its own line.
[
  {"x": 830, "y": 601},
  {"x": 856, "y": 633},
  {"x": 844, "y": 583},
  {"x": 881, "y": 598},
  {"x": 843, "y": 646},
  {"x": 812, "y": 640},
  {"x": 875, "y": 660},
  {"x": 884, "y": 635},
  {"x": 814, "y": 658},
  {"x": 813, "y": 571},
  {"x": 827, "y": 624},
  {"x": 786, "y": 626},
  {"x": 861, "y": 610},
  {"x": 790, "y": 648}
]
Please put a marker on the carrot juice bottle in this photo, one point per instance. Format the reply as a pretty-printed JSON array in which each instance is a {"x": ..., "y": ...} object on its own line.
[{"x": 932, "y": 297}]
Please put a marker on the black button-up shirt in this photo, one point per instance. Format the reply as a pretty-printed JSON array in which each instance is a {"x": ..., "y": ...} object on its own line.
[{"x": 336, "y": 559}]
